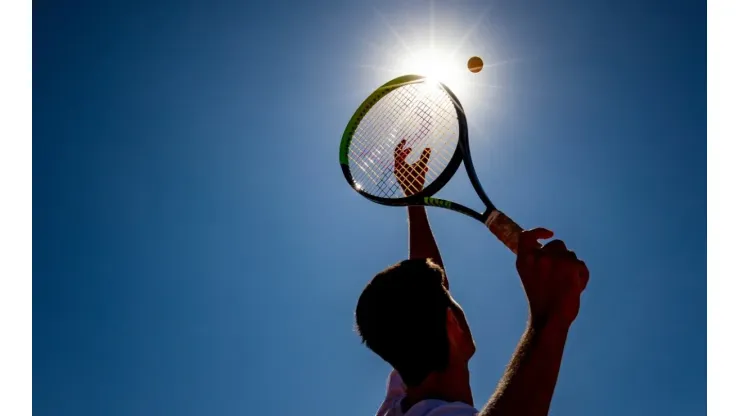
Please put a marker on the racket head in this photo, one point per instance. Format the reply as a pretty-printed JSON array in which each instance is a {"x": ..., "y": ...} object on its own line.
[{"x": 414, "y": 108}]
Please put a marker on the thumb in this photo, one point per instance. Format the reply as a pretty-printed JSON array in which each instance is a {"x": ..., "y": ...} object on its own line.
[
  {"x": 424, "y": 159},
  {"x": 529, "y": 239},
  {"x": 421, "y": 164}
]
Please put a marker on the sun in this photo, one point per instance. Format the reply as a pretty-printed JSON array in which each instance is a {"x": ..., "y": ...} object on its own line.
[
  {"x": 433, "y": 64},
  {"x": 441, "y": 53}
]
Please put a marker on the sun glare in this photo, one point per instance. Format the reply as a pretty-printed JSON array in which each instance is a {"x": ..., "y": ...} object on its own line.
[
  {"x": 433, "y": 64},
  {"x": 440, "y": 52},
  {"x": 438, "y": 66}
]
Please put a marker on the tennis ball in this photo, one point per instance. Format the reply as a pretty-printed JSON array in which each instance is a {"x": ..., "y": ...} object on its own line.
[{"x": 475, "y": 64}]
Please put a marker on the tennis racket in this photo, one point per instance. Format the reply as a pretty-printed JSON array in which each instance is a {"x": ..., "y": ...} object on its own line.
[{"x": 415, "y": 118}]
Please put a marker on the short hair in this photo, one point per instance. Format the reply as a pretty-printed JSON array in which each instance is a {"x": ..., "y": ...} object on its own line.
[{"x": 401, "y": 316}]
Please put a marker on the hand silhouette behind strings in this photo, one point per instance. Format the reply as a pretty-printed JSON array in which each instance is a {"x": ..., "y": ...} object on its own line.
[{"x": 411, "y": 177}]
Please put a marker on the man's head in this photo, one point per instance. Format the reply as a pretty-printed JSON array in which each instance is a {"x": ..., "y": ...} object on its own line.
[{"x": 407, "y": 317}]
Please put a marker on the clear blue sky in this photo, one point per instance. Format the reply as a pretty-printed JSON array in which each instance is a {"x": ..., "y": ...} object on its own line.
[{"x": 196, "y": 250}]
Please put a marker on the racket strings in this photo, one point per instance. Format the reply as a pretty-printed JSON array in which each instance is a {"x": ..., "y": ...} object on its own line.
[
  {"x": 421, "y": 114},
  {"x": 423, "y": 130},
  {"x": 386, "y": 168}
]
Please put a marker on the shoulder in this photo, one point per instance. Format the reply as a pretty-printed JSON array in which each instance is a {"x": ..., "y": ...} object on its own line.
[{"x": 396, "y": 390}]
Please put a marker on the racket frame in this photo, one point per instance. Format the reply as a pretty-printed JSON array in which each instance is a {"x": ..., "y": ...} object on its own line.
[{"x": 496, "y": 221}]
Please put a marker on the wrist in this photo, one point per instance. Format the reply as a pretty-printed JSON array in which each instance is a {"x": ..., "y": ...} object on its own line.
[
  {"x": 549, "y": 323},
  {"x": 416, "y": 211}
]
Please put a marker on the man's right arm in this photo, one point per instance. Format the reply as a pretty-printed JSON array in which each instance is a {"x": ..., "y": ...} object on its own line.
[
  {"x": 529, "y": 382},
  {"x": 553, "y": 278}
]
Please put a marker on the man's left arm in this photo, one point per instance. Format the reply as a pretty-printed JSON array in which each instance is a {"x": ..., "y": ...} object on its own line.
[
  {"x": 422, "y": 244},
  {"x": 411, "y": 178}
]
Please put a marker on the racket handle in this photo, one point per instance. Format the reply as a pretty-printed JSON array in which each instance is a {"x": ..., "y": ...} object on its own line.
[{"x": 505, "y": 229}]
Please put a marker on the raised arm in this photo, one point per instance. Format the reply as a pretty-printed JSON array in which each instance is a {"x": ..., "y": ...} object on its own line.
[
  {"x": 411, "y": 177},
  {"x": 553, "y": 279},
  {"x": 422, "y": 244}
]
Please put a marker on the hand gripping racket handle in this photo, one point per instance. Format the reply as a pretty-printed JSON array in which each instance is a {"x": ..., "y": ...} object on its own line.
[{"x": 505, "y": 229}]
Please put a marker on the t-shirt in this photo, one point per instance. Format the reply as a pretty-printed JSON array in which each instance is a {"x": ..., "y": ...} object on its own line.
[{"x": 397, "y": 391}]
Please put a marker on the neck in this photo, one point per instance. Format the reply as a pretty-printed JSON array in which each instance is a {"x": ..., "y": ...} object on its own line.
[{"x": 451, "y": 385}]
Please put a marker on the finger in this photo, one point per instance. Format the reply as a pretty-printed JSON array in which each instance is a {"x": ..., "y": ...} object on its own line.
[
  {"x": 565, "y": 268},
  {"x": 403, "y": 169},
  {"x": 400, "y": 163},
  {"x": 398, "y": 152},
  {"x": 400, "y": 145},
  {"x": 401, "y": 159},
  {"x": 401, "y": 155},
  {"x": 424, "y": 159},
  {"x": 556, "y": 247},
  {"x": 528, "y": 246},
  {"x": 529, "y": 239}
]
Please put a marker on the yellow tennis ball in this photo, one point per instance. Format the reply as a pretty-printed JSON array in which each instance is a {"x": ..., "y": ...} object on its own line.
[{"x": 475, "y": 64}]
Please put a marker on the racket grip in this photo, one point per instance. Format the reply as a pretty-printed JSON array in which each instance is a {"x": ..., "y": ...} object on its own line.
[{"x": 505, "y": 229}]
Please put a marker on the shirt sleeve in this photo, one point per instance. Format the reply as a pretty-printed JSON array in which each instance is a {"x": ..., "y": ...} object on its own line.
[
  {"x": 395, "y": 388},
  {"x": 394, "y": 392},
  {"x": 452, "y": 409}
]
